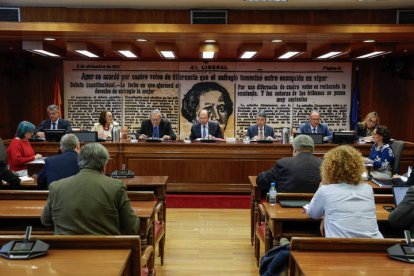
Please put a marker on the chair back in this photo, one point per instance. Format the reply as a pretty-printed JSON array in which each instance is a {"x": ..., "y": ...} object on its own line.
[
  {"x": 3, "y": 152},
  {"x": 397, "y": 147}
]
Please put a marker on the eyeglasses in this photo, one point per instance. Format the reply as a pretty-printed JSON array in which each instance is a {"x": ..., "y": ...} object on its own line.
[
  {"x": 155, "y": 120},
  {"x": 372, "y": 121},
  {"x": 313, "y": 119}
]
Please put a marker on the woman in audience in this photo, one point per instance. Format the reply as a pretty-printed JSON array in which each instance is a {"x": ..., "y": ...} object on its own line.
[
  {"x": 20, "y": 151},
  {"x": 365, "y": 128},
  {"x": 381, "y": 156},
  {"x": 105, "y": 125},
  {"x": 345, "y": 203}
]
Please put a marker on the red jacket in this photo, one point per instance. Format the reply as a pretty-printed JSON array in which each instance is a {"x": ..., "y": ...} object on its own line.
[{"x": 19, "y": 152}]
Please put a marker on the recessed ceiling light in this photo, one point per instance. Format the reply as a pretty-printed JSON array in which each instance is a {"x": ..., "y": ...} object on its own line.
[
  {"x": 49, "y": 39},
  {"x": 141, "y": 40},
  {"x": 369, "y": 41},
  {"x": 209, "y": 41},
  {"x": 373, "y": 54},
  {"x": 277, "y": 40}
]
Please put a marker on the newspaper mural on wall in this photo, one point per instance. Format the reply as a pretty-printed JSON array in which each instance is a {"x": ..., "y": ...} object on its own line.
[{"x": 232, "y": 92}]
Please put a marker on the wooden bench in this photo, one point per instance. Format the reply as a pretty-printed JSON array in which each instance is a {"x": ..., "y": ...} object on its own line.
[
  {"x": 344, "y": 256},
  {"x": 135, "y": 263}
]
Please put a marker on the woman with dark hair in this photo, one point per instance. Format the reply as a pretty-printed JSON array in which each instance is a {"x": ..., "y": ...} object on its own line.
[
  {"x": 381, "y": 156},
  {"x": 365, "y": 128},
  {"x": 105, "y": 125},
  {"x": 20, "y": 151}
]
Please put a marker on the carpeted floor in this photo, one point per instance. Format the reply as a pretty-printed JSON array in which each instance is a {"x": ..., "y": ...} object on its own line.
[{"x": 208, "y": 201}]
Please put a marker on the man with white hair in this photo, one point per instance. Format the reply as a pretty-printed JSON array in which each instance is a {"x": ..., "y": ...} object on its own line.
[
  {"x": 297, "y": 174},
  {"x": 156, "y": 127},
  {"x": 62, "y": 165},
  {"x": 90, "y": 203},
  {"x": 315, "y": 126}
]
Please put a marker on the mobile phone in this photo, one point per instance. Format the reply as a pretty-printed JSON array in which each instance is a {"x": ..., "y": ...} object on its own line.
[{"x": 388, "y": 208}]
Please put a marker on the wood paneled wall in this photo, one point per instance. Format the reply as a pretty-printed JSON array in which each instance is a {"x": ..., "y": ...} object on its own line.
[
  {"x": 27, "y": 89},
  {"x": 33, "y": 14}
]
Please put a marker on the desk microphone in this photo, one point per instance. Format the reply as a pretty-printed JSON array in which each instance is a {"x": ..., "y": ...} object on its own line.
[
  {"x": 408, "y": 237},
  {"x": 28, "y": 233}
]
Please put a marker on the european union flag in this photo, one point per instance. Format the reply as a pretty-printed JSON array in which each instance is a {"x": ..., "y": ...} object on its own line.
[{"x": 355, "y": 103}]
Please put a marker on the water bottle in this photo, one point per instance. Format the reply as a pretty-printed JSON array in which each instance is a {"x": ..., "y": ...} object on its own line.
[
  {"x": 285, "y": 135},
  {"x": 272, "y": 194},
  {"x": 116, "y": 133}
]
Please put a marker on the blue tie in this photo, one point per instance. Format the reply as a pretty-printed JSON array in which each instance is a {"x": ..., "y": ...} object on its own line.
[
  {"x": 54, "y": 125},
  {"x": 156, "y": 132},
  {"x": 204, "y": 132},
  {"x": 314, "y": 130}
]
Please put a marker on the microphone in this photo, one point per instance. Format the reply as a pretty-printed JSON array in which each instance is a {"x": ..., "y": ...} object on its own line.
[{"x": 408, "y": 237}]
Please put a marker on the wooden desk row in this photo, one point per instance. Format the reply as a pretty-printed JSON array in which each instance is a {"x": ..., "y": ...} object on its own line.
[{"x": 198, "y": 167}]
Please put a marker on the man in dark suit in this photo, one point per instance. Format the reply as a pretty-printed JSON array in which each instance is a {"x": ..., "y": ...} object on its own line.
[
  {"x": 205, "y": 129},
  {"x": 260, "y": 130},
  {"x": 62, "y": 165},
  {"x": 8, "y": 176},
  {"x": 314, "y": 126},
  {"x": 297, "y": 174},
  {"x": 54, "y": 122},
  {"x": 403, "y": 215},
  {"x": 90, "y": 203},
  {"x": 156, "y": 127}
]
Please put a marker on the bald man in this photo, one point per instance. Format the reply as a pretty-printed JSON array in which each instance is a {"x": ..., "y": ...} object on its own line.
[{"x": 205, "y": 129}]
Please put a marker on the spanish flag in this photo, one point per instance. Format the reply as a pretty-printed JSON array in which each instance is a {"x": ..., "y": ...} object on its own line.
[{"x": 57, "y": 100}]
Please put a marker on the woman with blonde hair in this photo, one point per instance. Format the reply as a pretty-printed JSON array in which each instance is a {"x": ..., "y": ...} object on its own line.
[
  {"x": 365, "y": 128},
  {"x": 343, "y": 200}
]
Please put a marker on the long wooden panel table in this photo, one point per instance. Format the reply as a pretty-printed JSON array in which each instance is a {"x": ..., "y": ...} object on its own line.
[
  {"x": 71, "y": 262},
  {"x": 198, "y": 167}
]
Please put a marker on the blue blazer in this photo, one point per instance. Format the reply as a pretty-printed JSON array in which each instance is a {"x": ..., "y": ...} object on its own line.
[
  {"x": 321, "y": 128},
  {"x": 58, "y": 167},
  {"x": 213, "y": 129},
  {"x": 62, "y": 124},
  {"x": 254, "y": 131}
]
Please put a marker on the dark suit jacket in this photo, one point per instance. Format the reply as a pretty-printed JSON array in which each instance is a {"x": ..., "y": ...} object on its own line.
[
  {"x": 254, "y": 131},
  {"x": 321, "y": 128},
  {"x": 298, "y": 174},
  {"x": 213, "y": 129},
  {"x": 403, "y": 215},
  {"x": 165, "y": 129},
  {"x": 58, "y": 167},
  {"x": 62, "y": 124},
  {"x": 8, "y": 176},
  {"x": 89, "y": 203}
]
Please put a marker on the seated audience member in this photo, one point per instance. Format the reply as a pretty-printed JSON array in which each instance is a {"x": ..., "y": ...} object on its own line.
[
  {"x": 314, "y": 126},
  {"x": 260, "y": 130},
  {"x": 62, "y": 165},
  {"x": 398, "y": 181},
  {"x": 156, "y": 127},
  {"x": 381, "y": 156},
  {"x": 8, "y": 176},
  {"x": 297, "y": 174},
  {"x": 403, "y": 215},
  {"x": 345, "y": 203},
  {"x": 54, "y": 122},
  {"x": 205, "y": 129},
  {"x": 365, "y": 128},
  {"x": 90, "y": 203},
  {"x": 105, "y": 125},
  {"x": 20, "y": 151}
]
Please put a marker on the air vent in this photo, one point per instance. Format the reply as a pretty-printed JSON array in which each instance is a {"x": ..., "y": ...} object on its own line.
[
  {"x": 208, "y": 17},
  {"x": 9, "y": 14},
  {"x": 405, "y": 17}
]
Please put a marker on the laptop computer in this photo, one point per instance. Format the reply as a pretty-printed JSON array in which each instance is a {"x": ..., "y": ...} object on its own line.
[
  {"x": 54, "y": 135},
  {"x": 399, "y": 193},
  {"x": 291, "y": 203},
  {"x": 316, "y": 137},
  {"x": 86, "y": 136}
]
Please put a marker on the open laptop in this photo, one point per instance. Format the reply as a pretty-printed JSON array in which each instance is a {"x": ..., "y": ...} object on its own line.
[
  {"x": 86, "y": 136},
  {"x": 292, "y": 203},
  {"x": 399, "y": 193},
  {"x": 316, "y": 137}
]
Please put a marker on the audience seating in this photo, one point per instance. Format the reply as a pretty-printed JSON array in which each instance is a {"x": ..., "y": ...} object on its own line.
[{"x": 137, "y": 263}]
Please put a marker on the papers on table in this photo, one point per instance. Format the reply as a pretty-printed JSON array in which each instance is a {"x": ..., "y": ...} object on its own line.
[
  {"x": 38, "y": 161},
  {"x": 25, "y": 178}
]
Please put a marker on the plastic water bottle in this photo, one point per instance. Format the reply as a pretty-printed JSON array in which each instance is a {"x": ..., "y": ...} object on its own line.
[{"x": 272, "y": 194}]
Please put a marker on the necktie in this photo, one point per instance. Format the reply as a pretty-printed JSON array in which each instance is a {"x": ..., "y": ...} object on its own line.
[
  {"x": 54, "y": 125},
  {"x": 204, "y": 132},
  {"x": 314, "y": 130},
  {"x": 156, "y": 132},
  {"x": 261, "y": 133}
]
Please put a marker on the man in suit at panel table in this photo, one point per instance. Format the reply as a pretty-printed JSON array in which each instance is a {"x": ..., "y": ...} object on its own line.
[
  {"x": 54, "y": 122},
  {"x": 61, "y": 165},
  {"x": 297, "y": 174},
  {"x": 205, "y": 129},
  {"x": 314, "y": 126},
  {"x": 90, "y": 203},
  {"x": 260, "y": 130},
  {"x": 156, "y": 127}
]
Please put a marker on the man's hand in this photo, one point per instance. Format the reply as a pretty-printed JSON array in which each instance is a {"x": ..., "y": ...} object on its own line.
[
  {"x": 166, "y": 137},
  {"x": 40, "y": 135},
  {"x": 142, "y": 137}
]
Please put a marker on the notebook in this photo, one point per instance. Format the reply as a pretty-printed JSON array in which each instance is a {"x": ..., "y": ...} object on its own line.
[
  {"x": 290, "y": 203},
  {"x": 399, "y": 193}
]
